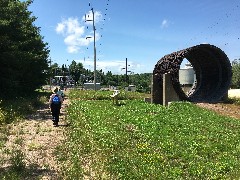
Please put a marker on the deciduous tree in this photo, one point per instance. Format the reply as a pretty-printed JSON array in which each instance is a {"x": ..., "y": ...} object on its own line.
[
  {"x": 236, "y": 73},
  {"x": 76, "y": 69},
  {"x": 23, "y": 54}
]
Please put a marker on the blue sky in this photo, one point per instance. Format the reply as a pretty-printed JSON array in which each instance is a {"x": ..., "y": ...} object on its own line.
[{"x": 143, "y": 31}]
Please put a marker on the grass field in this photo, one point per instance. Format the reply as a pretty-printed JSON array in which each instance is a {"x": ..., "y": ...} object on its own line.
[{"x": 137, "y": 140}]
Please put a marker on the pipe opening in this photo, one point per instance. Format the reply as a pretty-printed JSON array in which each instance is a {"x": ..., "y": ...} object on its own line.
[{"x": 211, "y": 68}]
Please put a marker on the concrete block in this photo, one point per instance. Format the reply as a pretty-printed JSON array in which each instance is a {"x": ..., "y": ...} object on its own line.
[{"x": 169, "y": 94}]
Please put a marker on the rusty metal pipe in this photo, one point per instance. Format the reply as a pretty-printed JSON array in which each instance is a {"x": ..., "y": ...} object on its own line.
[{"x": 213, "y": 73}]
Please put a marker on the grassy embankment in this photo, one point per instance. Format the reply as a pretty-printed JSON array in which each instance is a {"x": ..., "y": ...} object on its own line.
[{"x": 137, "y": 140}]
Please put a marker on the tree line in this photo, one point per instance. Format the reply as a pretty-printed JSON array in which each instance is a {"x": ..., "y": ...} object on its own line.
[{"x": 81, "y": 75}]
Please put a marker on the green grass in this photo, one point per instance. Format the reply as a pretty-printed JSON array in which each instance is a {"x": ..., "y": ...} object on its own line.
[
  {"x": 103, "y": 95},
  {"x": 137, "y": 140}
]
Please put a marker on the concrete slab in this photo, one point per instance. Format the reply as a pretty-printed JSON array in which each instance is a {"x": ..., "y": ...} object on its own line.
[{"x": 234, "y": 93}]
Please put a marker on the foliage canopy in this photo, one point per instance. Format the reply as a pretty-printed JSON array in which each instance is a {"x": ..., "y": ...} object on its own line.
[
  {"x": 236, "y": 73},
  {"x": 23, "y": 53}
]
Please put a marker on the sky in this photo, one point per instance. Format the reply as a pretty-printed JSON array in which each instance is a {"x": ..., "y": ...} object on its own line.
[{"x": 141, "y": 31}]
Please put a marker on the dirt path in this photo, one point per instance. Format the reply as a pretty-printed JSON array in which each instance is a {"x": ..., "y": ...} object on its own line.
[
  {"x": 230, "y": 110},
  {"x": 37, "y": 138}
]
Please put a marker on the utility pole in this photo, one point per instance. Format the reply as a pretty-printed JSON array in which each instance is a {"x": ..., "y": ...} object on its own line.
[
  {"x": 94, "y": 40},
  {"x": 50, "y": 75},
  {"x": 126, "y": 71},
  {"x": 126, "y": 77},
  {"x": 94, "y": 47}
]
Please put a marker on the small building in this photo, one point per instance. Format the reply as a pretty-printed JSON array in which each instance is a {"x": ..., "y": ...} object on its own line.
[
  {"x": 131, "y": 88},
  {"x": 90, "y": 86}
]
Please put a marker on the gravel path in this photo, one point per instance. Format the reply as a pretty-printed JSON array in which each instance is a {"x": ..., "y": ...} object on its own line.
[
  {"x": 37, "y": 138},
  {"x": 230, "y": 110}
]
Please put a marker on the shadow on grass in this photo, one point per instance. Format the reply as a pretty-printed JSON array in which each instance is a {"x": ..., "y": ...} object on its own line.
[
  {"x": 235, "y": 101},
  {"x": 30, "y": 172},
  {"x": 63, "y": 125},
  {"x": 42, "y": 113},
  {"x": 20, "y": 107}
]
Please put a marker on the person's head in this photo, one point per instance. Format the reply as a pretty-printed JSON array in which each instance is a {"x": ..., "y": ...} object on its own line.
[{"x": 55, "y": 90}]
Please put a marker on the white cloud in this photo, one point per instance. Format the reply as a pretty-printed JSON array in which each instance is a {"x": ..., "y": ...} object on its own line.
[
  {"x": 75, "y": 34},
  {"x": 73, "y": 49},
  {"x": 60, "y": 28},
  {"x": 165, "y": 23},
  {"x": 70, "y": 26}
]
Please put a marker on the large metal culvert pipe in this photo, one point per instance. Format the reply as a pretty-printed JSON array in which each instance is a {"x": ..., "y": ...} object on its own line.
[{"x": 213, "y": 74}]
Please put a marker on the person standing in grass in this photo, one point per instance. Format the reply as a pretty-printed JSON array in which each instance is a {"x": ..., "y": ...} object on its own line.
[{"x": 55, "y": 103}]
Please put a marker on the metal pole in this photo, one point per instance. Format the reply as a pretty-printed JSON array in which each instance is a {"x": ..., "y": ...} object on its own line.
[
  {"x": 50, "y": 75},
  {"x": 126, "y": 72},
  {"x": 94, "y": 40}
]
